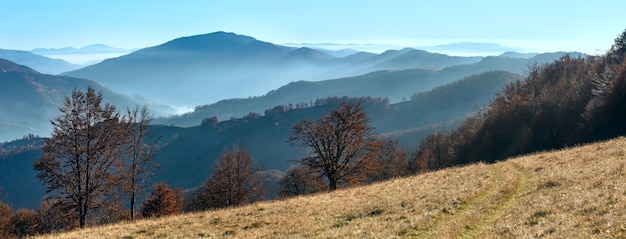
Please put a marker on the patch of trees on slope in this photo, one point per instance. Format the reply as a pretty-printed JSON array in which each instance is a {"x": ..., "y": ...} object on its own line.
[{"x": 568, "y": 102}]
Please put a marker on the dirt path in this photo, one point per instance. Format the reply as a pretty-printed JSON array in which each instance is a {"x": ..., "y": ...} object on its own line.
[{"x": 473, "y": 215}]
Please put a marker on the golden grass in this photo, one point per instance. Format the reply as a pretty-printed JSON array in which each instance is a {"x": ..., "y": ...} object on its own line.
[{"x": 574, "y": 193}]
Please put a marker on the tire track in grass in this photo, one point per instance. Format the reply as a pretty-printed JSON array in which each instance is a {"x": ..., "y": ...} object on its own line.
[
  {"x": 477, "y": 213},
  {"x": 511, "y": 194},
  {"x": 434, "y": 227}
]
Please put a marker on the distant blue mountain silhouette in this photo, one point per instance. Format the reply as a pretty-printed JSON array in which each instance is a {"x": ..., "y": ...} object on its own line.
[
  {"x": 223, "y": 65},
  {"x": 40, "y": 63}
]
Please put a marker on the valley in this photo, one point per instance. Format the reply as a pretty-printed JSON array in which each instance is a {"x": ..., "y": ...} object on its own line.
[
  {"x": 336, "y": 119},
  {"x": 404, "y": 104},
  {"x": 434, "y": 108}
]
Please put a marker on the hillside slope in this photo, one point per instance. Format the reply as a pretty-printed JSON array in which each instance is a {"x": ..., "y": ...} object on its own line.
[
  {"x": 265, "y": 137},
  {"x": 573, "y": 193},
  {"x": 29, "y": 99}
]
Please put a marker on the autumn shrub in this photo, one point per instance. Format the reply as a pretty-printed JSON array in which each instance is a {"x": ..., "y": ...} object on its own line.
[
  {"x": 56, "y": 216},
  {"x": 24, "y": 223},
  {"x": 5, "y": 217},
  {"x": 235, "y": 181},
  {"x": 162, "y": 201}
]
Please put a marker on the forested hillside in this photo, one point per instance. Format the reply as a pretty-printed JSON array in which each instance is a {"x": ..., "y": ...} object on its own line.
[{"x": 564, "y": 103}]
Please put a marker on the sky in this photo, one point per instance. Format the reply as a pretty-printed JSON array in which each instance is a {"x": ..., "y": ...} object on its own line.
[{"x": 537, "y": 25}]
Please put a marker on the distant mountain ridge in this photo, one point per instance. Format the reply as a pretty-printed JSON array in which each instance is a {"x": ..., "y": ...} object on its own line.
[
  {"x": 38, "y": 62},
  {"x": 397, "y": 85},
  {"x": 222, "y": 65},
  {"x": 453, "y": 49},
  {"x": 471, "y": 49},
  {"x": 90, "y": 49}
]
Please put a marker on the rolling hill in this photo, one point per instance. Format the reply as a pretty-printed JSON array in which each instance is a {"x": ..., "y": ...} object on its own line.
[
  {"x": 222, "y": 65},
  {"x": 572, "y": 193}
]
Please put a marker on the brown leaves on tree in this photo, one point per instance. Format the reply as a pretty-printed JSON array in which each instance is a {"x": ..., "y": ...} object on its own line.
[
  {"x": 5, "y": 218},
  {"x": 24, "y": 223},
  {"x": 234, "y": 181},
  {"x": 162, "y": 202},
  {"x": 56, "y": 216},
  {"x": 385, "y": 161}
]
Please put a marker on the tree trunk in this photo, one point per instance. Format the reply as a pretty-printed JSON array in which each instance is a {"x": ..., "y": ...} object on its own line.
[
  {"x": 132, "y": 206},
  {"x": 332, "y": 183},
  {"x": 82, "y": 217}
]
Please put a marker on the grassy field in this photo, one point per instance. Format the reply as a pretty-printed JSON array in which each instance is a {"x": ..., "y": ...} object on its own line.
[{"x": 573, "y": 193}]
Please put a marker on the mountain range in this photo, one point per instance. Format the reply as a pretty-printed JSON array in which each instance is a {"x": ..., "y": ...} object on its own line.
[
  {"x": 397, "y": 85},
  {"x": 91, "y": 49},
  {"x": 456, "y": 48},
  {"x": 471, "y": 49},
  {"x": 222, "y": 65},
  {"x": 407, "y": 93},
  {"x": 170, "y": 68},
  {"x": 83, "y": 56}
]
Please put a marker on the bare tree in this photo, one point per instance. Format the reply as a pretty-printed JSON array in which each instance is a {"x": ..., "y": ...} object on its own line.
[
  {"x": 339, "y": 143},
  {"x": 234, "y": 181},
  {"x": 77, "y": 162},
  {"x": 136, "y": 169}
]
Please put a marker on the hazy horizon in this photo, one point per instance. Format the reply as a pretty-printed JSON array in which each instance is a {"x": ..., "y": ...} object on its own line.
[
  {"x": 538, "y": 26},
  {"x": 495, "y": 49}
]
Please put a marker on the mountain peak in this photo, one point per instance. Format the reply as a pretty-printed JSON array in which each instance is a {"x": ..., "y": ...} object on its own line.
[
  {"x": 309, "y": 52},
  {"x": 210, "y": 41}
]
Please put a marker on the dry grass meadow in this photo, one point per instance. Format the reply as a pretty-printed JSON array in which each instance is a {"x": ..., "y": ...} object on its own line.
[{"x": 573, "y": 193}]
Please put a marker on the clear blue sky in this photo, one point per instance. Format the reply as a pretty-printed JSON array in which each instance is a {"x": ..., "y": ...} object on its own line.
[{"x": 546, "y": 25}]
